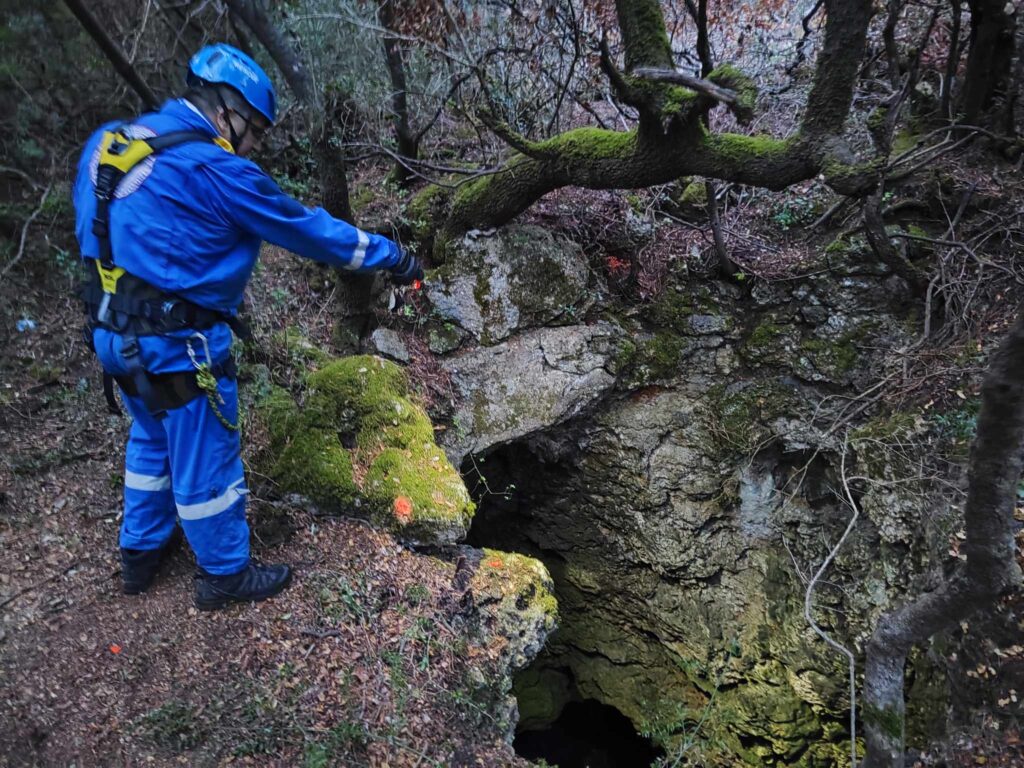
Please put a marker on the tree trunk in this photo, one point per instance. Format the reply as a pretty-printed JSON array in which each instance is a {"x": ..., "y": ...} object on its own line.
[
  {"x": 280, "y": 49},
  {"x": 989, "y": 58},
  {"x": 952, "y": 59},
  {"x": 990, "y": 570},
  {"x": 114, "y": 53},
  {"x": 408, "y": 143}
]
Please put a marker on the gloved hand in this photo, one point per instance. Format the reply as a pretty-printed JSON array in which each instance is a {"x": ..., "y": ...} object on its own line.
[{"x": 408, "y": 270}]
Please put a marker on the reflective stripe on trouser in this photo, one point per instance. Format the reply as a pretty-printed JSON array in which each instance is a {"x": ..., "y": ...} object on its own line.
[{"x": 187, "y": 465}]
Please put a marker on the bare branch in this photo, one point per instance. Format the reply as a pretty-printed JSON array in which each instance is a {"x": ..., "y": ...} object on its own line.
[
  {"x": 704, "y": 87},
  {"x": 809, "y": 604}
]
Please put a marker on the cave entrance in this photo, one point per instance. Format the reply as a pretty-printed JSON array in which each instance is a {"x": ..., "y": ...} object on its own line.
[
  {"x": 588, "y": 734},
  {"x": 567, "y": 731}
]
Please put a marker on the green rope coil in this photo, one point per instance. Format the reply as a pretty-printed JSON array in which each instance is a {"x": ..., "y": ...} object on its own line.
[{"x": 208, "y": 383}]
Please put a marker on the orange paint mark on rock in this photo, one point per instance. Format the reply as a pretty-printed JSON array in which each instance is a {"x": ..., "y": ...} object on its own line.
[
  {"x": 115, "y": 649},
  {"x": 403, "y": 510}
]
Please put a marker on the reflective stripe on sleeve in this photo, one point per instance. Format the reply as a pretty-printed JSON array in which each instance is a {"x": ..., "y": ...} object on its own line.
[
  {"x": 138, "y": 482},
  {"x": 360, "y": 253},
  {"x": 213, "y": 506}
]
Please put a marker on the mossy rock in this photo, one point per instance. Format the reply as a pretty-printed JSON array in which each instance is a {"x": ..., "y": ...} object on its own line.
[
  {"x": 360, "y": 445},
  {"x": 418, "y": 490},
  {"x": 519, "y": 277},
  {"x": 297, "y": 348},
  {"x": 770, "y": 343},
  {"x": 695, "y": 195},
  {"x": 314, "y": 463},
  {"x": 517, "y": 593}
]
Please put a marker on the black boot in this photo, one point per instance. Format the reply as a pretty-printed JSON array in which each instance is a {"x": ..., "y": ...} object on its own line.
[
  {"x": 255, "y": 583},
  {"x": 139, "y": 566}
]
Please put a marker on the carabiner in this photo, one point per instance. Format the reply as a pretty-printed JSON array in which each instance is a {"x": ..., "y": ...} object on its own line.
[{"x": 192, "y": 352}]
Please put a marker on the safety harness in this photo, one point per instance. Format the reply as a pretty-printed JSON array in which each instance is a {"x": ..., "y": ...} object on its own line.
[{"x": 121, "y": 302}]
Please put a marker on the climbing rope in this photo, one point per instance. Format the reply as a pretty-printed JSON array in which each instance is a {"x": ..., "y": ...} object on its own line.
[{"x": 208, "y": 382}]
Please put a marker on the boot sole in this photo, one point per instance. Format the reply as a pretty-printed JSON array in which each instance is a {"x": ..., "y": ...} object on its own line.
[{"x": 223, "y": 602}]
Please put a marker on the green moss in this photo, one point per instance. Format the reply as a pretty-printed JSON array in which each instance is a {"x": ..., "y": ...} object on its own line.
[
  {"x": 424, "y": 477},
  {"x": 672, "y": 311},
  {"x": 363, "y": 384},
  {"x": 279, "y": 412},
  {"x": 737, "y": 420},
  {"x": 360, "y": 438},
  {"x": 656, "y": 359},
  {"x": 590, "y": 144},
  {"x": 426, "y": 210},
  {"x": 877, "y": 118},
  {"x": 831, "y": 357},
  {"x": 737, "y": 148},
  {"x": 298, "y": 349},
  {"x": 521, "y": 581},
  {"x": 904, "y": 141},
  {"x": 732, "y": 77},
  {"x": 840, "y": 175},
  {"x": 314, "y": 463},
  {"x": 695, "y": 194},
  {"x": 643, "y": 29},
  {"x": 764, "y": 334},
  {"x": 888, "y": 720},
  {"x": 361, "y": 198}
]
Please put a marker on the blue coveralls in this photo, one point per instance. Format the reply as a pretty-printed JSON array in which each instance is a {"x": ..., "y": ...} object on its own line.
[{"x": 190, "y": 220}]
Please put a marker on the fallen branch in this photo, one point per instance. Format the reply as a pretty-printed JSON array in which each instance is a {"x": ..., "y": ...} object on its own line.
[{"x": 320, "y": 634}]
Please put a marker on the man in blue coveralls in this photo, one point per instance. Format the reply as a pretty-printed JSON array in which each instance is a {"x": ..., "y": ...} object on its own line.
[{"x": 170, "y": 217}]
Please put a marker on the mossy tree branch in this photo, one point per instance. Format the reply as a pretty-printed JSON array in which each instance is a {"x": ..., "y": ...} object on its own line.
[{"x": 671, "y": 139}]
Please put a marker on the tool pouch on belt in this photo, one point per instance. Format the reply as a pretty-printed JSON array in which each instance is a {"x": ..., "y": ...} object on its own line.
[{"x": 179, "y": 388}]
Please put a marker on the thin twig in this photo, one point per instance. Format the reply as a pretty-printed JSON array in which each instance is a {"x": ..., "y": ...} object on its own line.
[
  {"x": 24, "y": 230},
  {"x": 808, "y": 602}
]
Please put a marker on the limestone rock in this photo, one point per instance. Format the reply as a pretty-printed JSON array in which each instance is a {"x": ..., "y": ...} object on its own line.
[
  {"x": 520, "y": 277},
  {"x": 388, "y": 343},
  {"x": 527, "y": 383}
]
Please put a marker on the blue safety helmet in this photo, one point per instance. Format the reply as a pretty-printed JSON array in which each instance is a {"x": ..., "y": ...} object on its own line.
[{"x": 225, "y": 64}]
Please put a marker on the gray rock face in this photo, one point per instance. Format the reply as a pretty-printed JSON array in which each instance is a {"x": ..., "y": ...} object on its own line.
[
  {"x": 681, "y": 520},
  {"x": 520, "y": 277},
  {"x": 388, "y": 343},
  {"x": 527, "y": 383}
]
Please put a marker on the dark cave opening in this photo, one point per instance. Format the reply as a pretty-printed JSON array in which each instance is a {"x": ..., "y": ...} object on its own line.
[
  {"x": 507, "y": 485},
  {"x": 588, "y": 734}
]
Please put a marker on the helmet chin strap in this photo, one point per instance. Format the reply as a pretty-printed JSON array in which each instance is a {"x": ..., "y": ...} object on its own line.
[{"x": 236, "y": 140}]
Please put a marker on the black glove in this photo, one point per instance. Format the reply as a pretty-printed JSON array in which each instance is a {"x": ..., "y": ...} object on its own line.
[{"x": 408, "y": 270}]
